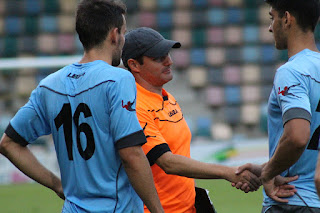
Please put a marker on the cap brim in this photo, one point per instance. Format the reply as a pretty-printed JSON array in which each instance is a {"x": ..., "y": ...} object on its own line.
[{"x": 162, "y": 48}]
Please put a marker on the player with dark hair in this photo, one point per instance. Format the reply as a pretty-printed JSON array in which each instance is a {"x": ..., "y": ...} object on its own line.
[
  {"x": 294, "y": 108},
  {"x": 97, "y": 140},
  {"x": 146, "y": 55}
]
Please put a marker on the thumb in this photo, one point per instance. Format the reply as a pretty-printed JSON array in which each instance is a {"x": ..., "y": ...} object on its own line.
[
  {"x": 290, "y": 179},
  {"x": 242, "y": 168}
]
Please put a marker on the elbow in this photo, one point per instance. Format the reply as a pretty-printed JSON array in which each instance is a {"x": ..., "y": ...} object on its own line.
[{"x": 299, "y": 141}]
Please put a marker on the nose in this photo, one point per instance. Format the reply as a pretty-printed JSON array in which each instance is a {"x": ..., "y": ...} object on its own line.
[
  {"x": 168, "y": 61},
  {"x": 270, "y": 29}
]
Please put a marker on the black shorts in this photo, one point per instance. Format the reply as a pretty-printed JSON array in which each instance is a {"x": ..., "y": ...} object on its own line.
[{"x": 289, "y": 209}]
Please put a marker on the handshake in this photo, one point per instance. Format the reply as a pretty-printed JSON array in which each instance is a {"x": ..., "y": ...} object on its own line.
[{"x": 250, "y": 177}]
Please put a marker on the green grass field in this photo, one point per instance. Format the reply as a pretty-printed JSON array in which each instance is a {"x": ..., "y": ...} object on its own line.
[{"x": 33, "y": 198}]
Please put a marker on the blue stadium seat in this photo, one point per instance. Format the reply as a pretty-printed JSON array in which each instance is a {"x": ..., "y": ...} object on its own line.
[
  {"x": 251, "y": 16},
  {"x": 251, "y": 34},
  {"x": 235, "y": 16},
  {"x": 251, "y": 54},
  {"x": 33, "y": 7},
  {"x": 31, "y": 26},
  {"x": 216, "y": 16},
  {"x": 164, "y": 19},
  {"x": 232, "y": 115},
  {"x": 198, "y": 56},
  {"x": 13, "y": 25},
  {"x": 203, "y": 125},
  {"x": 199, "y": 37},
  {"x": 200, "y": 3},
  {"x": 10, "y": 46},
  {"x": 51, "y": 6},
  {"x": 165, "y": 4},
  {"x": 268, "y": 53},
  {"x": 232, "y": 95},
  {"x": 215, "y": 76},
  {"x": 48, "y": 24}
]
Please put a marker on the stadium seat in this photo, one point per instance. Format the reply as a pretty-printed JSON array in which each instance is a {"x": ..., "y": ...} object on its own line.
[
  {"x": 233, "y": 54},
  {"x": 250, "y": 93},
  {"x": 216, "y": 56},
  {"x": 264, "y": 35},
  {"x": 148, "y": 5},
  {"x": 47, "y": 44},
  {"x": 51, "y": 6},
  {"x": 183, "y": 35},
  {"x": 251, "y": 34},
  {"x": 216, "y": 2},
  {"x": 33, "y": 7},
  {"x": 197, "y": 76},
  {"x": 132, "y": 5},
  {"x": 216, "y": 16},
  {"x": 250, "y": 74},
  {"x": 147, "y": 19},
  {"x": 267, "y": 73},
  {"x": 268, "y": 53},
  {"x": 183, "y": 4},
  {"x": 181, "y": 18},
  {"x": 164, "y": 19},
  {"x": 215, "y": 35},
  {"x": 165, "y": 33},
  {"x": 66, "y": 23},
  {"x": 233, "y": 35},
  {"x": 180, "y": 57},
  {"x": 232, "y": 95},
  {"x": 235, "y": 16},
  {"x": 198, "y": 19},
  {"x": 215, "y": 77},
  {"x": 265, "y": 91},
  {"x": 199, "y": 3},
  {"x": 66, "y": 43},
  {"x": 264, "y": 17},
  {"x": 251, "y": 3},
  {"x": 250, "y": 114},
  {"x": 14, "y": 7},
  {"x": 48, "y": 24},
  {"x": 215, "y": 96},
  {"x": 232, "y": 115},
  {"x": 13, "y": 25},
  {"x": 198, "y": 56},
  {"x": 199, "y": 37},
  {"x": 203, "y": 126},
  {"x": 2, "y": 7},
  {"x": 27, "y": 44},
  {"x": 251, "y": 15},
  {"x": 234, "y": 3},
  {"x": 10, "y": 46},
  {"x": 232, "y": 75},
  {"x": 251, "y": 54},
  {"x": 69, "y": 6},
  {"x": 165, "y": 4},
  {"x": 31, "y": 25}
]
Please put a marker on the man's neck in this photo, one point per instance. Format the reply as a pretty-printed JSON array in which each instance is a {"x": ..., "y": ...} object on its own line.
[
  {"x": 97, "y": 54},
  {"x": 300, "y": 41}
]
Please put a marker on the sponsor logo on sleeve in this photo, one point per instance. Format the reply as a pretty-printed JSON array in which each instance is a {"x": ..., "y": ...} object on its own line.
[
  {"x": 128, "y": 106},
  {"x": 285, "y": 91}
]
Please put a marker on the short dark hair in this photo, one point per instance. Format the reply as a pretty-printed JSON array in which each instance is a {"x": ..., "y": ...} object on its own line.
[
  {"x": 95, "y": 18},
  {"x": 306, "y": 12}
]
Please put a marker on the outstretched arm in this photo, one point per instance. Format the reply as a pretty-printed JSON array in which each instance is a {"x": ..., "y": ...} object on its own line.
[
  {"x": 139, "y": 172},
  {"x": 26, "y": 162},
  {"x": 187, "y": 167}
]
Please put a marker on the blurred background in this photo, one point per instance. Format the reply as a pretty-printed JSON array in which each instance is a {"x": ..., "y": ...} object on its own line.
[{"x": 222, "y": 74}]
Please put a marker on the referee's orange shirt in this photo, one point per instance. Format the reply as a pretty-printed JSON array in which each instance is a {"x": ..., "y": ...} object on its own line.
[{"x": 166, "y": 130}]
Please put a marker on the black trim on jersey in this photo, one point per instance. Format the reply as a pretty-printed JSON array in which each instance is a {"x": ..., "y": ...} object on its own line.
[
  {"x": 156, "y": 152},
  {"x": 169, "y": 120},
  {"x": 165, "y": 98},
  {"x": 11, "y": 133},
  {"x": 77, "y": 93},
  {"x": 134, "y": 139},
  {"x": 295, "y": 113},
  {"x": 175, "y": 103}
]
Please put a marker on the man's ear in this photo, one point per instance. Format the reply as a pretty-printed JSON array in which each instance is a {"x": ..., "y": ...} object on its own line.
[
  {"x": 114, "y": 34},
  {"x": 134, "y": 65},
  {"x": 287, "y": 19}
]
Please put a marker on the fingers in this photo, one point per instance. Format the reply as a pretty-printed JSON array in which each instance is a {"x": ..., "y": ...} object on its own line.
[
  {"x": 284, "y": 180},
  {"x": 286, "y": 191},
  {"x": 276, "y": 198}
]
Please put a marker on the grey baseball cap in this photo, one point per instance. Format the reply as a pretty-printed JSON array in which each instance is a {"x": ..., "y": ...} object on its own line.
[{"x": 148, "y": 42}]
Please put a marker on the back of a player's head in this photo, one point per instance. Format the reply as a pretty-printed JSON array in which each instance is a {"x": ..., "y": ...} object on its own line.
[
  {"x": 306, "y": 12},
  {"x": 95, "y": 19}
]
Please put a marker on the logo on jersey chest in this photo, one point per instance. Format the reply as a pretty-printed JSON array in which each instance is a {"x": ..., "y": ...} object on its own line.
[
  {"x": 75, "y": 76},
  {"x": 173, "y": 112}
]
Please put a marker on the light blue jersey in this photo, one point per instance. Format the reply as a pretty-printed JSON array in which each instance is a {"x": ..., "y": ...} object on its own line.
[
  {"x": 90, "y": 111},
  {"x": 296, "y": 94}
]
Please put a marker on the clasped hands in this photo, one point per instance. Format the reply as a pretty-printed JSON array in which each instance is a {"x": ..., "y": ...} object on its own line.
[{"x": 250, "y": 177}]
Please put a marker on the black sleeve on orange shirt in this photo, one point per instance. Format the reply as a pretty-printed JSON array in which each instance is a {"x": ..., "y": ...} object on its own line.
[
  {"x": 156, "y": 152},
  {"x": 134, "y": 139},
  {"x": 11, "y": 133}
]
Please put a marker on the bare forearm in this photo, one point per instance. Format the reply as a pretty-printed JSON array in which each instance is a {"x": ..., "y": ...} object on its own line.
[
  {"x": 26, "y": 162},
  {"x": 187, "y": 167},
  {"x": 139, "y": 172},
  {"x": 285, "y": 156}
]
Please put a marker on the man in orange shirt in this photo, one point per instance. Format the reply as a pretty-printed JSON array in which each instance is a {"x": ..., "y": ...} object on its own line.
[{"x": 146, "y": 55}]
